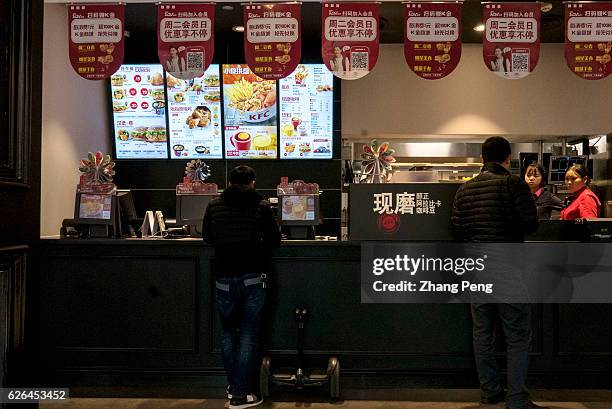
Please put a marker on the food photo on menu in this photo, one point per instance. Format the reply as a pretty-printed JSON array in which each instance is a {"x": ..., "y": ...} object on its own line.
[
  {"x": 139, "y": 112},
  {"x": 194, "y": 115},
  {"x": 250, "y": 111},
  {"x": 306, "y": 113}
]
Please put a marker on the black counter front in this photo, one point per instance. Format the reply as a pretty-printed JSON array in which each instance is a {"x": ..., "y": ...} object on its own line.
[{"x": 122, "y": 317}]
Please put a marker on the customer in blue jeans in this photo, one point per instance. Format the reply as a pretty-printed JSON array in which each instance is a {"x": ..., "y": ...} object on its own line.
[
  {"x": 243, "y": 230},
  {"x": 496, "y": 206}
]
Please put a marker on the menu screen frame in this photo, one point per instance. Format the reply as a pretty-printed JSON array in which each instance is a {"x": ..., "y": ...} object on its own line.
[
  {"x": 112, "y": 117},
  {"x": 336, "y": 120},
  {"x": 301, "y": 123}
]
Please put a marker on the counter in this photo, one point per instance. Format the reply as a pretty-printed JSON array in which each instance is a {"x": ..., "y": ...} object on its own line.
[{"x": 121, "y": 317}]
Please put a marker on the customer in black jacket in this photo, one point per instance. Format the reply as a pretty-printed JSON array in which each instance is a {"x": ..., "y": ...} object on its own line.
[
  {"x": 496, "y": 206},
  {"x": 242, "y": 228}
]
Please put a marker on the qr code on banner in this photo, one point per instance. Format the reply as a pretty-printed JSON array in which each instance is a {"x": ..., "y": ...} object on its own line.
[
  {"x": 195, "y": 61},
  {"x": 360, "y": 61},
  {"x": 520, "y": 62}
]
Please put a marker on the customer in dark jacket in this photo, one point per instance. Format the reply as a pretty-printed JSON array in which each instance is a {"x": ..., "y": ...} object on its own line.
[
  {"x": 242, "y": 228},
  {"x": 496, "y": 206},
  {"x": 549, "y": 206}
]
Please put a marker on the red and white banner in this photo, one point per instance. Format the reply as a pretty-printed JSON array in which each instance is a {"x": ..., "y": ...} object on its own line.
[
  {"x": 273, "y": 39},
  {"x": 588, "y": 39},
  {"x": 350, "y": 38},
  {"x": 511, "y": 42},
  {"x": 432, "y": 38},
  {"x": 95, "y": 38},
  {"x": 186, "y": 38}
]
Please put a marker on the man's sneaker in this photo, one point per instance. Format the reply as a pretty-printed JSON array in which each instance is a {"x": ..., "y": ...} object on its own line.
[
  {"x": 228, "y": 391},
  {"x": 247, "y": 402},
  {"x": 492, "y": 400}
]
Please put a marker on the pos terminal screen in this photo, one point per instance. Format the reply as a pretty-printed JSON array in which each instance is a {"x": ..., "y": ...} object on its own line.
[
  {"x": 298, "y": 208},
  {"x": 92, "y": 206}
]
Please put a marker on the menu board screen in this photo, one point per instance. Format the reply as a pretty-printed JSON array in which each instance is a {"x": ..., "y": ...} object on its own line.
[
  {"x": 306, "y": 113},
  {"x": 139, "y": 112},
  {"x": 249, "y": 104},
  {"x": 194, "y": 115}
]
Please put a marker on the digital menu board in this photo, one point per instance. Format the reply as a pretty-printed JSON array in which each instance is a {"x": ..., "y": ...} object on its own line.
[
  {"x": 194, "y": 116},
  {"x": 250, "y": 122},
  {"x": 306, "y": 113},
  {"x": 139, "y": 112}
]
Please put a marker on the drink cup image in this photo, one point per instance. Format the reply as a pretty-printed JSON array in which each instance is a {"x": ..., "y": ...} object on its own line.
[
  {"x": 295, "y": 121},
  {"x": 241, "y": 141}
]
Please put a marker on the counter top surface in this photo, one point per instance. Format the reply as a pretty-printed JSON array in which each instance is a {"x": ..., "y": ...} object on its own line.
[{"x": 185, "y": 241}]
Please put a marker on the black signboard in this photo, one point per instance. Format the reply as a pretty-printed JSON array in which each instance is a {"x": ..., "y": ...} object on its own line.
[{"x": 401, "y": 211}]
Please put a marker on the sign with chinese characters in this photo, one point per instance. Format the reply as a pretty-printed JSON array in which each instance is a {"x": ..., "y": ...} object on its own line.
[
  {"x": 272, "y": 40},
  {"x": 139, "y": 112},
  {"x": 588, "y": 39},
  {"x": 185, "y": 38},
  {"x": 194, "y": 116},
  {"x": 249, "y": 110},
  {"x": 401, "y": 211},
  {"x": 96, "y": 39},
  {"x": 307, "y": 113},
  {"x": 350, "y": 38},
  {"x": 511, "y": 44},
  {"x": 432, "y": 40}
]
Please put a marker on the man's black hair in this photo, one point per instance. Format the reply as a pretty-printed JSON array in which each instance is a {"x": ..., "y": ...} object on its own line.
[
  {"x": 495, "y": 149},
  {"x": 242, "y": 175}
]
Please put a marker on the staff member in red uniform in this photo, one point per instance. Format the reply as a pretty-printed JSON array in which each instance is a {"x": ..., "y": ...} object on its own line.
[{"x": 584, "y": 203}]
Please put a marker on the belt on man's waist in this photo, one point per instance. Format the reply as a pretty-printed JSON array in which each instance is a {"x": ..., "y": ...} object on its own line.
[{"x": 247, "y": 282}]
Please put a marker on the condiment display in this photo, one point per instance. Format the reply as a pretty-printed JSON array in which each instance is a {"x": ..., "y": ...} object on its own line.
[
  {"x": 306, "y": 114},
  {"x": 194, "y": 115},
  {"x": 139, "y": 112}
]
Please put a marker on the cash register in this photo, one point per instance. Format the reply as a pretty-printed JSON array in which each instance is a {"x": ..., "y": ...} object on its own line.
[{"x": 298, "y": 209}]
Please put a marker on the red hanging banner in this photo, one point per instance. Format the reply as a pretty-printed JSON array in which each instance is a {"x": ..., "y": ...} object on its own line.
[
  {"x": 350, "y": 38},
  {"x": 432, "y": 38},
  {"x": 588, "y": 39},
  {"x": 273, "y": 39},
  {"x": 511, "y": 42},
  {"x": 95, "y": 39},
  {"x": 185, "y": 38}
]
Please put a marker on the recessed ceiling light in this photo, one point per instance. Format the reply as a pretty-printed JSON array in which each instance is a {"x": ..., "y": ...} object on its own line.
[
  {"x": 546, "y": 7},
  {"x": 480, "y": 28},
  {"x": 227, "y": 7},
  {"x": 238, "y": 29}
]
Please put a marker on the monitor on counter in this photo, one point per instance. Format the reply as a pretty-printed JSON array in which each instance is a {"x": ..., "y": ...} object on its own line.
[
  {"x": 190, "y": 208},
  {"x": 126, "y": 204},
  {"x": 95, "y": 208},
  {"x": 558, "y": 165},
  {"x": 298, "y": 210}
]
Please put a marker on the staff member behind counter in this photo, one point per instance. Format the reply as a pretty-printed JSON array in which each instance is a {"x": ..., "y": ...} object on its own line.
[
  {"x": 583, "y": 203},
  {"x": 548, "y": 204}
]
